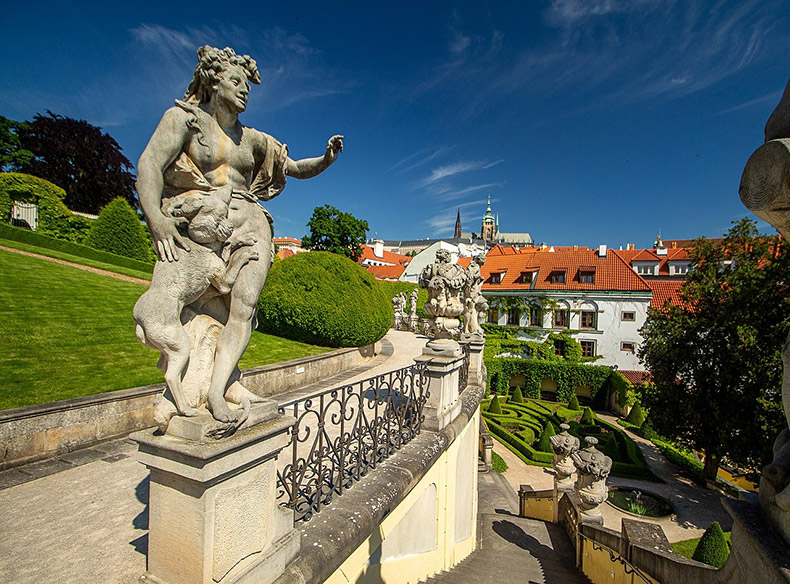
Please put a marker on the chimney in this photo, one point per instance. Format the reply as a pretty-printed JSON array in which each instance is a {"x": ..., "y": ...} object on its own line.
[
  {"x": 602, "y": 251},
  {"x": 378, "y": 248},
  {"x": 629, "y": 246},
  {"x": 575, "y": 248}
]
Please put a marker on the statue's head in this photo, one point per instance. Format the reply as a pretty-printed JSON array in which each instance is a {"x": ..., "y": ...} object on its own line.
[
  {"x": 217, "y": 68},
  {"x": 443, "y": 255},
  {"x": 480, "y": 259}
]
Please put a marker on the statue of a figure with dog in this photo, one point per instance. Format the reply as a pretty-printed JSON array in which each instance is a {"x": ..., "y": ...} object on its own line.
[{"x": 201, "y": 179}]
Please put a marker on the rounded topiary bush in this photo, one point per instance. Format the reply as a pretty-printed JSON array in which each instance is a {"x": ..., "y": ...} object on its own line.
[
  {"x": 494, "y": 407},
  {"x": 53, "y": 215},
  {"x": 573, "y": 403},
  {"x": 517, "y": 397},
  {"x": 712, "y": 548},
  {"x": 118, "y": 230},
  {"x": 324, "y": 299},
  {"x": 636, "y": 416}
]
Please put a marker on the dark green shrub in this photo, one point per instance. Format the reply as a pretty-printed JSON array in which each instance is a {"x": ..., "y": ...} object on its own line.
[
  {"x": 494, "y": 407},
  {"x": 75, "y": 249},
  {"x": 610, "y": 447},
  {"x": 712, "y": 548},
  {"x": 324, "y": 299},
  {"x": 636, "y": 416},
  {"x": 573, "y": 404},
  {"x": 588, "y": 418},
  {"x": 118, "y": 230},
  {"x": 53, "y": 216},
  {"x": 517, "y": 397},
  {"x": 392, "y": 289},
  {"x": 544, "y": 444}
]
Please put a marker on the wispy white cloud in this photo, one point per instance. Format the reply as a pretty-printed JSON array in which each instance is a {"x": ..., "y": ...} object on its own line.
[
  {"x": 422, "y": 157},
  {"x": 443, "y": 221},
  {"x": 452, "y": 195},
  {"x": 450, "y": 170},
  {"x": 772, "y": 97}
]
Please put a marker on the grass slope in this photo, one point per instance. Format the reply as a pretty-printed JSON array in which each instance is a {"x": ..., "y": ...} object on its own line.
[{"x": 66, "y": 333}]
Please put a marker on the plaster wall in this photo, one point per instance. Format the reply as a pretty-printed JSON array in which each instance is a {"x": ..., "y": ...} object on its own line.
[
  {"x": 599, "y": 567},
  {"x": 431, "y": 530},
  {"x": 541, "y": 508}
]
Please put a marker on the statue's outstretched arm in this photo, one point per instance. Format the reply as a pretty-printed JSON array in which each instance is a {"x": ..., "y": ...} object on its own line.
[
  {"x": 309, "y": 167},
  {"x": 166, "y": 143}
]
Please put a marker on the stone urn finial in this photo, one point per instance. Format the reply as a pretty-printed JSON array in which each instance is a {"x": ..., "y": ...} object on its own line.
[
  {"x": 564, "y": 445},
  {"x": 592, "y": 467}
]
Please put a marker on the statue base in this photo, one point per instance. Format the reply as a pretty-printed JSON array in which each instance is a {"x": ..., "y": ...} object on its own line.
[
  {"x": 213, "y": 517},
  {"x": 442, "y": 347}
]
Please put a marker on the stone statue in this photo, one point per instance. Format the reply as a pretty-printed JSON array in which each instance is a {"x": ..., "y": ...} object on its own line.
[
  {"x": 444, "y": 281},
  {"x": 200, "y": 180},
  {"x": 593, "y": 468},
  {"x": 564, "y": 446},
  {"x": 475, "y": 304},
  {"x": 413, "y": 304},
  {"x": 765, "y": 190}
]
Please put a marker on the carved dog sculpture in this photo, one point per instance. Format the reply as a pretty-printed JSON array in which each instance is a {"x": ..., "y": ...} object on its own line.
[{"x": 157, "y": 314}]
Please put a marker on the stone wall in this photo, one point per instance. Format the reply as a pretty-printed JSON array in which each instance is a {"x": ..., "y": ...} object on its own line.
[{"x": 35, "y": 432}]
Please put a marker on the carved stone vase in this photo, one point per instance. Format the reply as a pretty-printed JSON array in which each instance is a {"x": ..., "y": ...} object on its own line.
[
  {"x": 564, "y": 445},
  {"x": 593, "y": 468}
]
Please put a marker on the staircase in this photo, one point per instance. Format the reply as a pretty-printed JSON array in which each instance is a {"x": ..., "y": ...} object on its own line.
[{"x": 513, "y": 549}]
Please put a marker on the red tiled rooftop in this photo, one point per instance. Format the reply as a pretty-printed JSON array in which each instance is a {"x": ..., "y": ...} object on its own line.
[
  {"x": 388, "y": 257},
  {"x": 284, "y": 240},
  {"x": 285, "y": 253},
  {"x": 636, "y": 377},
  {"x": 611, "y": 272},
  {"x": 664, "y": 290},
  {"x": 386, "y": 272}
]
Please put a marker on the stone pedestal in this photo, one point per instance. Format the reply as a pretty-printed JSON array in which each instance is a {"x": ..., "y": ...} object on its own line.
[
  {"x": 213, "y": 517},
  {"x": 443, "y": 403},
  {"x": 476, "y": 368}
]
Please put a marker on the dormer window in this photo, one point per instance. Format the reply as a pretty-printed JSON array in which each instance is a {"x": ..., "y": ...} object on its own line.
[
  {"x": 587, "y": 275},
  {"x": 526, "y": 277},
  {"x": 496, "y": 278},
  {"x": 557, "y": 277},
  {"x": 646, "y": 268}
]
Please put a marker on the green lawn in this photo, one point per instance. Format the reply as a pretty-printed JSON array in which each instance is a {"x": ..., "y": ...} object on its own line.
[
  {"x": 66, "y": 333},
  {"x": 687, "y": 546},
  {"x": 61, "y": 255}
]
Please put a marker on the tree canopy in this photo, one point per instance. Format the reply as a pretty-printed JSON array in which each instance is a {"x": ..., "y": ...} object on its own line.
[
  {"x": 716, "y": 358},
  {"x": 12, "y": 155},
  {"x": 335, "y": 231},
  {"x": 73, "y": 154}
]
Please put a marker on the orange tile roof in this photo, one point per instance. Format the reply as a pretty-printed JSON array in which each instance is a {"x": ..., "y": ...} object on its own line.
[
  {"x": 611, "y": 272},
  {"x": 281, "y": 240},
  {"x": 388, "y": 257},
  {"x": 464, "y": 262},
  {"x": 664, "y": 290},
  {"x": 285, "y": 253},
  {"x": 386, "y": 272},
  {"x": 636, "y": 377}
]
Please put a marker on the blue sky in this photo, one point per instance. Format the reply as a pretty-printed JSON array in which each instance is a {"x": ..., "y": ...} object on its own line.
[{"x": 587, "y": 121}]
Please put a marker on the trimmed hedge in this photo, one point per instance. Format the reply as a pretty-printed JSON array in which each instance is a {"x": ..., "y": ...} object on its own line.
[
  {"x": 46, "y": 242},
  {"x": 712, "y": 548},
  {"x": 636, "y": 416},
  {"x": 118, "y": 230},
  {"x": 54, "y": 218},
  {"x": 324, "y": 299},
  {"x": 517, "y": 426},
  {"x": 544, "y": 444},
  {"x": 573, "y": 403},
  {"x": 494, "y": 407}
]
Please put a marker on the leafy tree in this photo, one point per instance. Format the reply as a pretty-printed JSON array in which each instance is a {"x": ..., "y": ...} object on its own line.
[
  {"x": 12, "y": 155},
  {"x": 712, "y": 548},
  {"x": 716, "y": 357},
  {"x": 335, "y": 231},
  {"x": 119, "y": 231},
  {"x": 79, "y": 158}
]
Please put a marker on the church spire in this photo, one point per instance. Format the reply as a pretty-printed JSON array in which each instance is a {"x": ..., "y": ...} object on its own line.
[
  {"x": 458, "y": 225},
  {"x": 488, "y": 229}
]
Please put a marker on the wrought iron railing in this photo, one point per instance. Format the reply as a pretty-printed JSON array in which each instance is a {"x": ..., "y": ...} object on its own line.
[
  {"x": 463, "y": 372},
  {"x": 340, "y": 434}
]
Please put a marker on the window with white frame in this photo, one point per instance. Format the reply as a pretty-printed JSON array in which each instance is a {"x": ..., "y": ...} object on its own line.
[
  {"x": 562, "y": 317},
  {"x": 588, "y": 319}
]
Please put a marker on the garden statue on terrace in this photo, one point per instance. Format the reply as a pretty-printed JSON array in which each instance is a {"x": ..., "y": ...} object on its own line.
[
  {"x": 198, "y": 153},
  {"x": 444, "y": 281},
  {"x": 475, "y": 304}
]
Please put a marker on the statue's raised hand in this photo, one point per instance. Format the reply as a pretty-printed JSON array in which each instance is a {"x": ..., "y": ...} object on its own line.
[
  {"x": 167, "y": 239},
  {"x": 334, "y": 146}
]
